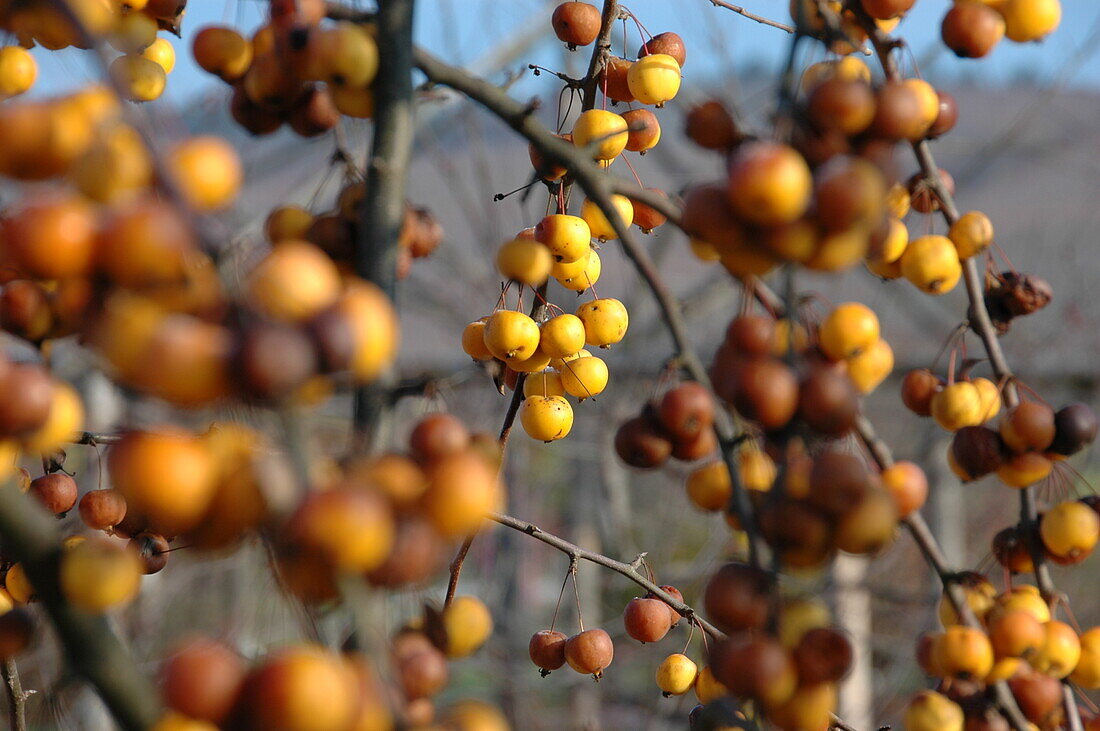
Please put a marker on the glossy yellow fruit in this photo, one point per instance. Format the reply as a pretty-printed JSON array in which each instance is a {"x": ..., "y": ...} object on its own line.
[
  {"x": 932, "y": 264},
  {"x": 524, "y": 261},
  {"x": 473, "y": 341},
  {"x": 161, "y": 52},
  {"x": 963, "y": 652},
  {"x": 208, "y": 172},
  {"x": 929, "y": 100},
  {"x": 1003, "y": 669},
  {"x": 65, "y": 419},
  {"x": 511, "y": 335},
  {"x": 1087, "y": 672},
  {"x": 569, "y": 269},
  {"x": 769, "y": 183},
  {"x": 1031, "y": 20},
  {"x": 709, "y": 487},
  {"x": 567, "y": 237},
  {"x": 599, "y": 224},
  {"x": 676, "y": 674},
  {"x": 1070, "y": 530},
  {"x": 1024, "y": 470},
  {"x": 18, "y": 71},
  {"x": 468, "y": 623},
  {"x": 96, "y": 575},
  {"x": 588, "y": 276},
  {"x": 871, "y": 367},
  {"x": 346, "y": 55},
  {"x": 957, "y": 405},
  {"x": 559, "y": 363},
  {"x": 117, "y": 167},
  {"x": 562, "y": 336},
  {"x": 989, "y": 396},
  {"x": 980, "y": 596},
  {"x": 605, "y": 321},
  {"x": 1060, "y": 651},
  {"x": 840, "y": 250},
  {"x": 141, "y": 80},
  {"x": 1023, "y": 597},
  {"x": 930, "y": 711},
  {"x": 294, "y": 282},
  {"x": 375, "y": 328},
  {"x": 604, "y": 133},
  {"x": 546, "y": 383},
  {"x": 223, "y": 52},
  {"x": 707, "y": 687},
  {"x": 848, "y": 329},
  {"x": 654, "y": 79},
  {"x": 537, "y": 362},
  {"x": 584, "y": 377},
  {"x": 892, "y": 247},
  {"x": 546, "y": 418},
  {"x": 18, "y": 585},
  {"x": 462, "y": 489},
  {"x": 971, "y": 234}
]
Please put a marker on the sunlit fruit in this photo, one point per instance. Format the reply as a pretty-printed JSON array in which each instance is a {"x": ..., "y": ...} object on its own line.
[
  {"x": 584, "y": 377},
  {"x": 346, "y": 55},
  {"x": 52, "y": 237},
  {"x": 26, "y": 399},
  {"x": 978, "y": 592},
  {"x": 646, "y": 620},
  {"x": 964, "y": 652},
  {"x": 956, "y": 406},
  {"x": 468, "y": 624},
  {"x": 202, "y": 679},
  {"x": 166, "y": 475},
  {"x": 972, "y": 234},
  {"x": 930, "y": 711},
  {"x": 524, "y": 261},
  {"x": 1060, "y": 651},
  {"x": 907, "y": 484},
  {"x": 769, "y": 183},
  {"x": 605, "y": 321},
  {"x": 547, "y": 649},
  {"x": 676, "y": 674},
  {"x": 96, "y": 575},
  {"x": 971, "y": 28},
  {"x": 654, "y": 79},
  {"x": 645, "y": 130},
  {"x": 809, "y": 707},
  {"x": 511, "y": 335},
  {"x": 1016, "y": 633},
  {"x": 598, "y": 222},
  {"x": 300, "y": 688},
  {"x": 1087, "y": 672},
  {"x": 562, "y": 336},
  {"x": 590, "y": 652},
  {"x": 871, "y": 367},
  {"x": 141, "y": 79},
  {"x": 585, "y": 277},
  {"x": 899, "y": 113},
  {"x": 351, "y": 529},
  {"x": 932, "y": 264},
  {"x": 207, "y": 171},
  {"x": 576, "y": 23},
  {"x": 546, "y": 418},
  {"x": 17, "y": 584},
  {"x": 604, "y": 133},
  {"x": 18, "y": 71},
  {"x": 57, "y": 492},
  {"x": 462, "y": 489},
  {"x": 613, "y": 79},
  {"x": 1069, "y": 530},
  {"x": 162, "y": 53},
  {"x": 222, "y": 51},
  {"x": 847, "y": 330},
  {"x": 566, "y": 237},
  {"x": 1031, "y": 20},
  {"x": 102, "y": 509}
]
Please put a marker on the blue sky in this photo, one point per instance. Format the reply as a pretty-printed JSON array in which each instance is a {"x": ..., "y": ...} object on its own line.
[{"x": 718, "y": 41}]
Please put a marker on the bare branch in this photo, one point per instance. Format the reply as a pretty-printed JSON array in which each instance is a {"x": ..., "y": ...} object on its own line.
[
  {"x": 751, "y": 16},
  {"x": 17, "y": 699}
]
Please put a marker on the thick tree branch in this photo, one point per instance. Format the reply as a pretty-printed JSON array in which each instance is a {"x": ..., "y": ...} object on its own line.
[
  {"x": 383, "y": 209},
  {"x": 93, "y": 650}
]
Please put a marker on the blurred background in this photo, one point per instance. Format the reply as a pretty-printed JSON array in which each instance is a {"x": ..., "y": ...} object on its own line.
[{"x": 1026, "y": 151}]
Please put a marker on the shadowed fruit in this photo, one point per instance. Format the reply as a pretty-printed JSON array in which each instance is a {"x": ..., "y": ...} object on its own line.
[
  {"x": 300, "y": 688},
  {"x": 1028, "y": 427},
  {"x": 57, "y": 492},
  {"x": 576, "y": 23},
  {"x": 823, "y": 655},
  {"x": 667, "y": 42},
  {"x": 930, "y": 711},
  {"x": 1075, "y": 427},
  {"x": 1016, "y": 633},
  {"x": 468, "y": 624},
  {"x": 222, "y": 51},
  {"x": 917, "y": 389},
  {"x": 598, "y": 222},
  {"x": 153, "y": 551},
  {"x": 755, "y": 667},
  {"x": 202, "y": 679},
  {"x": 102, "y": 509},
  {"x": 736, "y": 597},
  {"x": 640, "y": 442},
  {"x": 590, "y": 652},
  {"x": 96, "y": 575},
  {"x": 547, "y": 649},
  {"x": 351, "y": 529},
  {"x": 462, "y": 489},
  {"x": 17, "y": 627},
  {"x": 645, "y": 130},
  {"x": 646, "y": 620}
]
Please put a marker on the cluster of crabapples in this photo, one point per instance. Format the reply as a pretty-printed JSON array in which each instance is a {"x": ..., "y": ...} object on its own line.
[
  {"x": 335, "y": 232},
  {"x": 973, "y": 28},
  {"x": 550, "y": 355},
  {"x": 299, "y": 69},
  {"x": 205, "y": 682},
  {"x": 129, "y": 26},
  {"x": 1017, "y": 639}
]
